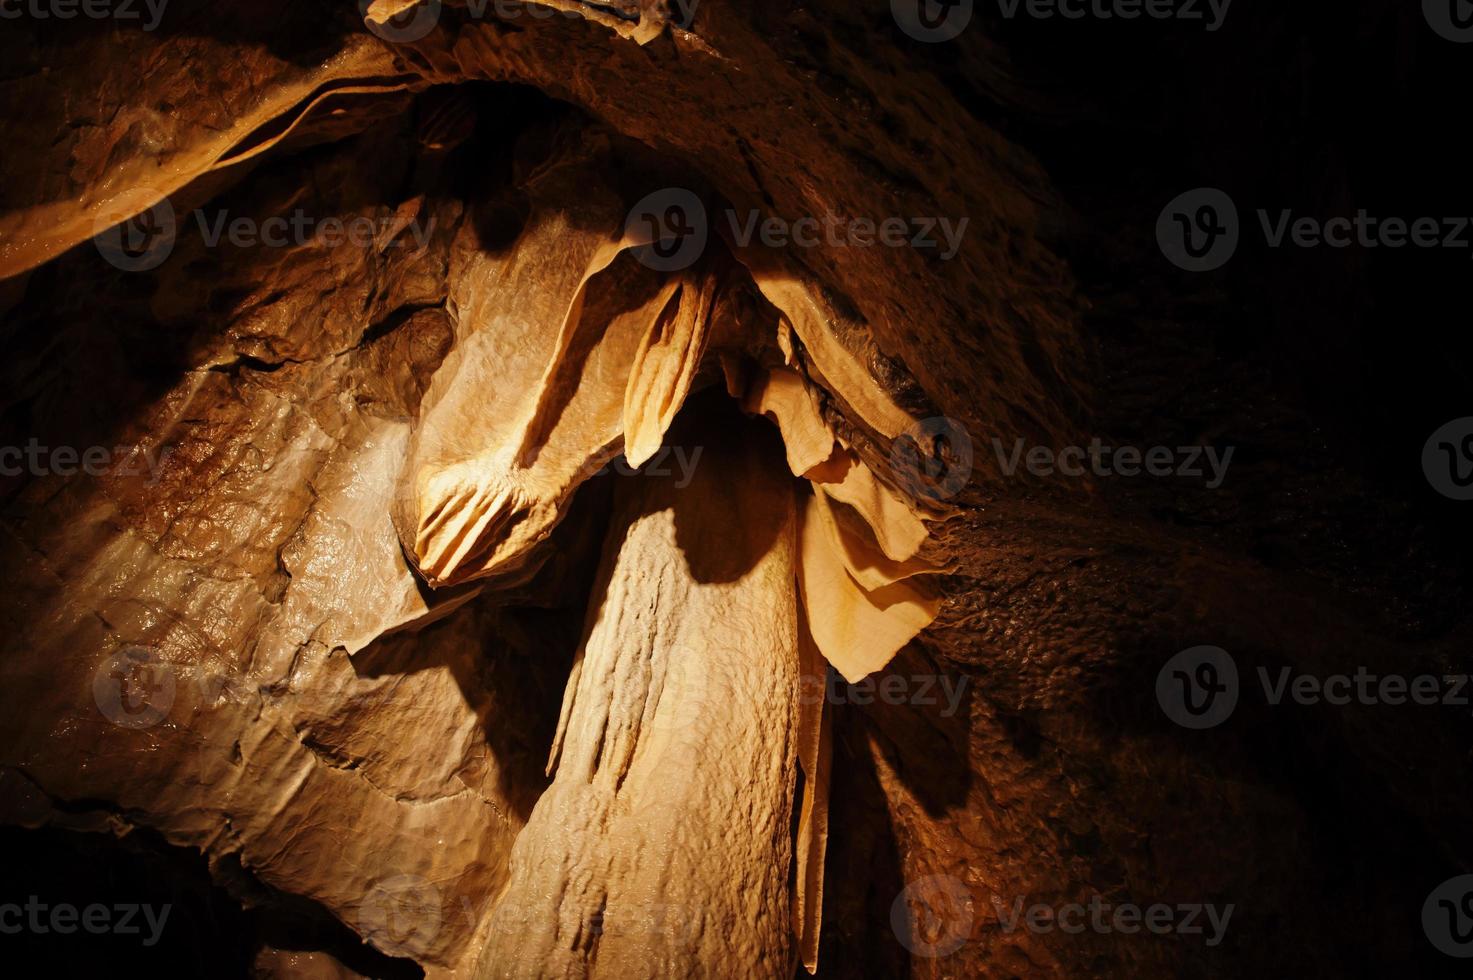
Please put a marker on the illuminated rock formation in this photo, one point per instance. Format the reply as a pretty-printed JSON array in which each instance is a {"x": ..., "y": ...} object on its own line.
[{"x": 494, "y": 596}]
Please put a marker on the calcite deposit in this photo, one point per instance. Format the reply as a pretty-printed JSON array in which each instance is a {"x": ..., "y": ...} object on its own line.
[{"x": 447, "y": 539}]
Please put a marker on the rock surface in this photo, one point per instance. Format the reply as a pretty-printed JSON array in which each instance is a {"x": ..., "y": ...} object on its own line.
[{"x": 368, "y": 513}]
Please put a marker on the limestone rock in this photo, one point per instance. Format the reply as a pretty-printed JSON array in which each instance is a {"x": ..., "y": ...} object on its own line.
[{"x": 479, "y": 597}]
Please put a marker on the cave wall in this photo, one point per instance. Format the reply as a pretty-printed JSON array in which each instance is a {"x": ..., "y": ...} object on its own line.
[{"x": 357, "y": 734}]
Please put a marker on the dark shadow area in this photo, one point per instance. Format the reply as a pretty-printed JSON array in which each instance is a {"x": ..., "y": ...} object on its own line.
[
  {"x": 735, "y": 452},
  {"x": 1326, "y": 549},
  {"x": 94, "y": 905},
  {"x": 862, "y": 869},
  {"x": 1327, "y": 367},
  {"x": 510, "y": 652},
  {"x": 920, "y": 717}
]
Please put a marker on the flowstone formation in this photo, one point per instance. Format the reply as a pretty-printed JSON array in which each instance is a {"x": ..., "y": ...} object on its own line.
[{"x": 363, "y": 455}]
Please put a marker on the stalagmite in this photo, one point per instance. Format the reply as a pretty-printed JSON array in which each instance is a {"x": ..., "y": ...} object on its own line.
[{"x": 662, "y": 847}]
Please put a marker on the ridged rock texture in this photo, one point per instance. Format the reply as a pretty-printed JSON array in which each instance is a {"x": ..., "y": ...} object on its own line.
[{"x": 507, "y": 591}]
